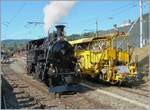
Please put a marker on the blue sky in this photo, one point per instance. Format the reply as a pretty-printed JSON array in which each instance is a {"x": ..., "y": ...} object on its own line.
[{"x": 83, "y": 16}]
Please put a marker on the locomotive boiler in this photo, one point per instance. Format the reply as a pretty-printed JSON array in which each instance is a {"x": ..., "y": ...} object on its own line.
[{"x": 52, "y": 60}]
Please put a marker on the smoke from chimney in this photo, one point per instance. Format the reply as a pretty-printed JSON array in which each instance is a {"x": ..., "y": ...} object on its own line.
[{"x": 54, "y": 11}]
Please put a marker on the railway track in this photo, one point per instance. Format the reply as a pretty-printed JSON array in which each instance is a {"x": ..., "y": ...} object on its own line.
[
  {"x": 134, "y": 90},
  {"x": 23, "y": 88},
  {"x": 38, "y": 93},
  {"x": 136, "y": 96},
  {"x": 41, "y": 98},
  {"x": 144, "y": 93},
  {"x": 144, "y": 90},
  {"x": 118, "y": 96}
]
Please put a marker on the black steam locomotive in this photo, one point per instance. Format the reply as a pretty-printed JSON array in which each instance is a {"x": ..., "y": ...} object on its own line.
[{"x": 52, "y": 60}]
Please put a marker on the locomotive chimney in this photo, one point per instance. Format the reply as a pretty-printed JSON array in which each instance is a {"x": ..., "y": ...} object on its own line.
[{"x": 60, "y": 32}]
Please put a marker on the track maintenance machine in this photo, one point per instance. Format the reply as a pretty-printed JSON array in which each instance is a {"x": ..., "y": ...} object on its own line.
[{"x": 100, "y": 57}]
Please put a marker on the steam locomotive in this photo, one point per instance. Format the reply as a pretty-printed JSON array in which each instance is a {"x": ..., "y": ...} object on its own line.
[{"x": 52, "y": 61}]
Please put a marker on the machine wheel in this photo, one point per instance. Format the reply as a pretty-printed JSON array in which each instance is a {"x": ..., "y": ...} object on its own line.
[{"x": 115, "y": 82}]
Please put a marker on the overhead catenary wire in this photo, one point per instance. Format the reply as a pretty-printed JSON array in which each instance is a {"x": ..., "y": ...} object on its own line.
[
  {"x": 35, "y": 24},
  {"x": 18, "y": 12},
  {"x": 113, "y": 12},
  {"x": 124, "y": 10},
  {"x": 130, "y": 30},
  {"x": 5, "y": 23},
  {"x": 119, "y": 11},
  {"x": 134, "y": 23}
]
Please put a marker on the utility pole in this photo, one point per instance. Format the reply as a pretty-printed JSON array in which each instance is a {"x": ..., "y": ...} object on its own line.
[
  {"x": 141, "y": 23},
  {"x": 96, "y": 28}
]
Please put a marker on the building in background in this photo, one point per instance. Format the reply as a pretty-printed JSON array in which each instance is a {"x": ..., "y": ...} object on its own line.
[{"x": 134, "y": 35}]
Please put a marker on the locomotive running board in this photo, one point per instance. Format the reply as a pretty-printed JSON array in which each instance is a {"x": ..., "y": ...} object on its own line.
[{"x": 65, "y": 88}]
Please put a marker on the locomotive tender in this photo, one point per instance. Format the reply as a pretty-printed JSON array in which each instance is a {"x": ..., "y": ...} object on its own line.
[{"x": 52, "y": 61}]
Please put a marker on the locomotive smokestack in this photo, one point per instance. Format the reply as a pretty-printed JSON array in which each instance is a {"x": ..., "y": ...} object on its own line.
[{"x": 60, "y": 31}]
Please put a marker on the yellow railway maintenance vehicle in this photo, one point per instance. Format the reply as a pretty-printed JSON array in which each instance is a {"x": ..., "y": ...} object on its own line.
[{"x": 98, "y": 57}]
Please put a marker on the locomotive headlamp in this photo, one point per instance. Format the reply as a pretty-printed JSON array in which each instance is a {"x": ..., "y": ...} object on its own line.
[
  {"x": 51, "y": 69},
  {"x": 78, "y": 70}
]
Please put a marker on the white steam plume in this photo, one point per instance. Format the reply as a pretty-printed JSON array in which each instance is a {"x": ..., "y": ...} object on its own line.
[{"x": 54, "y": 11}]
